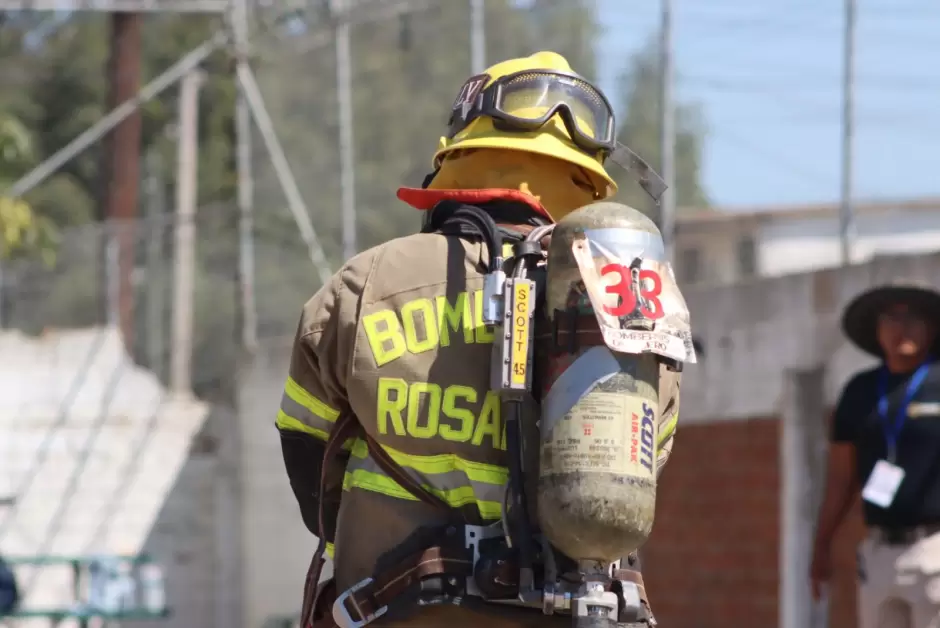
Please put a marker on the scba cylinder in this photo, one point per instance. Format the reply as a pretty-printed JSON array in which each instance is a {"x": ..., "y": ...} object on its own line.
[{"x": 597, "y": 468}]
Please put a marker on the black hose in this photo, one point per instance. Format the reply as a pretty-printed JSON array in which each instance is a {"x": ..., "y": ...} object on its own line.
[
  {"x": 519, "y": 510},
  {"x": 453, "y": 218}
]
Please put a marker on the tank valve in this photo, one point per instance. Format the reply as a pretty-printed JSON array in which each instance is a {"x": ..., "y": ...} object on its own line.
[{"x": 596, "y": 607}]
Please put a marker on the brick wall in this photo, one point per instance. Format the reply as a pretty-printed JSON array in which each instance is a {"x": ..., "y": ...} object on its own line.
[{"x": 712, "y": 558}]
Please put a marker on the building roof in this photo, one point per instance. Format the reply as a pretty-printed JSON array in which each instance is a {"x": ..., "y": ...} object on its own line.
[{"x": 693, "y": 217}]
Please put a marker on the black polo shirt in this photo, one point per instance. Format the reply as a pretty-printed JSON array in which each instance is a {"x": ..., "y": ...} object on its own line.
[{"x": 856, "y": 421}]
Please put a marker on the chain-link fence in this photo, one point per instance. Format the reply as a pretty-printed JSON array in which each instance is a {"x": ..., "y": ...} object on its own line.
[
  {"x": 407, "y": 63},
  {"x": 87, "y": 285},
  {"x": 758, "y": 112}
]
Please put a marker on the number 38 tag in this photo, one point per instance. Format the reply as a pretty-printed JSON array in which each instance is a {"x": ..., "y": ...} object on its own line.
[
  {"x": 633, "y": 293},
  {"x": 642, "y": 291}
]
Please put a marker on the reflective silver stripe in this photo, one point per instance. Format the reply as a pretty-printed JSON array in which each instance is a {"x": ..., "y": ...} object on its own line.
[
  {"x": 593, "y": 367},
  {"x": 296, "y": 411},
  {"x": 447, "y": 481}
]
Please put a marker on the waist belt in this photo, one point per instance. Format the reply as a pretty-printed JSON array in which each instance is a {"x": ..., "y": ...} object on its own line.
[
  {"x": 369, "y": 599},
  {"x": 902, "y": 535},
  {"x": 452, "y": 560}
]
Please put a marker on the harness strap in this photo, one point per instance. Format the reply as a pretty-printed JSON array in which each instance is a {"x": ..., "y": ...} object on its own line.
[
  {"x": 346, "y": 425},
  {"x": 385, "y": 587},
  {"x": 568, "y": 331}
]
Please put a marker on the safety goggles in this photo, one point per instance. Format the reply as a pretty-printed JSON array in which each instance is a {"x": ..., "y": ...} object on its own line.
[{"x": 527, "y": 100}]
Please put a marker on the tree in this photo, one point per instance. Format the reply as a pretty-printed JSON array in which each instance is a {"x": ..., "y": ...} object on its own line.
[
  {"x": 568, "y": 27},
  {"x": 640, "y": 129},
  {"x": 405, "y": 72},
  {"x": 22, "y": 231}
]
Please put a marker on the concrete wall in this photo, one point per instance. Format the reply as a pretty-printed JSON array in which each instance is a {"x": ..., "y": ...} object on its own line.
[
  {"x": 196, "y": 537},
  {"x": 750, "y": 446},
  {"x": 756, "y": 330},
  {"x": 276, "y": 547}
]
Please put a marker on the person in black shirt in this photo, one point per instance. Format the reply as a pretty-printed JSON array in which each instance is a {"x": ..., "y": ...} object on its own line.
[{"x": 885, "y": 447}]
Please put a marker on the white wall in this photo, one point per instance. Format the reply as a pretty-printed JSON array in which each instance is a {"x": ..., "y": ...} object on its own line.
[{"x": 792, "y": 245}]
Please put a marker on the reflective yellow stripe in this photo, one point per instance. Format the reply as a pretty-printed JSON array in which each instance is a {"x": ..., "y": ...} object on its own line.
[
  {"x": 507, "y": 250},
  {"x": 441, "y": 463},
  {"x": 296, "y": 392},
  {"x": 329, "y": 550},
  {"x": 667, "y": 430},
  {"x": 287, "y": 422},
  {"x": 457, "y": 497}
]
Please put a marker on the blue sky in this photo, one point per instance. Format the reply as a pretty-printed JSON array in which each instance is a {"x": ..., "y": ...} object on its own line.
[{"x": 768, "y": 75}]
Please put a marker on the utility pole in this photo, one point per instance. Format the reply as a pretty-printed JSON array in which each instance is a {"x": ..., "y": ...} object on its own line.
[
  {"x": 477, "y": 36},
  {"x": 847, "y": 227},
  {"x": 184, "y": 254},
  {"x": 346, "y": 147},
  {"x": 248, "y": 308},
  {"x": 121, "y": 172},
  {"x": 155, "y": 206},
  {"x": 667, "y": 208}
]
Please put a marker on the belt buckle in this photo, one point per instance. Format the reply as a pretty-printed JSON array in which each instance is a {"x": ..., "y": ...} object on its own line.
[
  {"x": 341, "y": 614},
  {"x": 895, "y": 536}
]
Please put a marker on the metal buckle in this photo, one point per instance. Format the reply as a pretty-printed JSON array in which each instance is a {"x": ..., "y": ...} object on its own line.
[
  {"x": 341, "y": 614},
  {"x": 472, "y": 537}
]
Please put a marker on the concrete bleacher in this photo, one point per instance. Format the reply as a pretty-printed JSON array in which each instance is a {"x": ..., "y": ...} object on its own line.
[{"x": 90, "y": 447}]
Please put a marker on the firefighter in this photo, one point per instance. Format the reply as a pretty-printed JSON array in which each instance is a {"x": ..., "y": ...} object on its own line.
[{"x": 391, "y": 437}]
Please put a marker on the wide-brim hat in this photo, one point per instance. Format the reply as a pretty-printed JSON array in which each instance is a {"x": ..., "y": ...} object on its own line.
[{"x": 860, "y": 320}]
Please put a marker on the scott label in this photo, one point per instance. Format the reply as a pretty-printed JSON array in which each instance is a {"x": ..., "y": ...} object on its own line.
[
  {"x": 647, "y": 437},
  {"x": 605, "y": 432}
]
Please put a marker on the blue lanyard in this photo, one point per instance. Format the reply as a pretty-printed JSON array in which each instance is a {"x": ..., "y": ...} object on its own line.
[{"x": 893, "y": 429}]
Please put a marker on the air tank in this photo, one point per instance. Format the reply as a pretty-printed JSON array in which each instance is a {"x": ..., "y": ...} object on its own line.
[{"x": 597, "y": 468}]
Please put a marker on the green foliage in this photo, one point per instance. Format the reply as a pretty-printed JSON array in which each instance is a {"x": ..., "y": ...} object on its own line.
[{"x": 22, "y": 230}]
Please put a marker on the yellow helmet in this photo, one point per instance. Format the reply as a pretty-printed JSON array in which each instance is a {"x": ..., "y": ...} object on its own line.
[{"x": 540, "y": 106}]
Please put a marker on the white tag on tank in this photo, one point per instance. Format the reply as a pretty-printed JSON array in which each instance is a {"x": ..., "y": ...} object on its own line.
[{"x": 883, "y": 484}]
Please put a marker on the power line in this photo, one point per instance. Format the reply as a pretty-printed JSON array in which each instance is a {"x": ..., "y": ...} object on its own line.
[
  {"x": 809, "y": 82},
  {"x": 667, "y": 205},
  {"x": 759, "y": 149},
  {"x": 846, "y": 213}
]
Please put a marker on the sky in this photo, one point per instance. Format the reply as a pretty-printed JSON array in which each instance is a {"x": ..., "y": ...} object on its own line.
[{"x": 768, "y": 76}]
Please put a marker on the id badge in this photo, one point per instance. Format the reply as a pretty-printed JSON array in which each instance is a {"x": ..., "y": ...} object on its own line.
[{"x": 883, "y": 484}]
